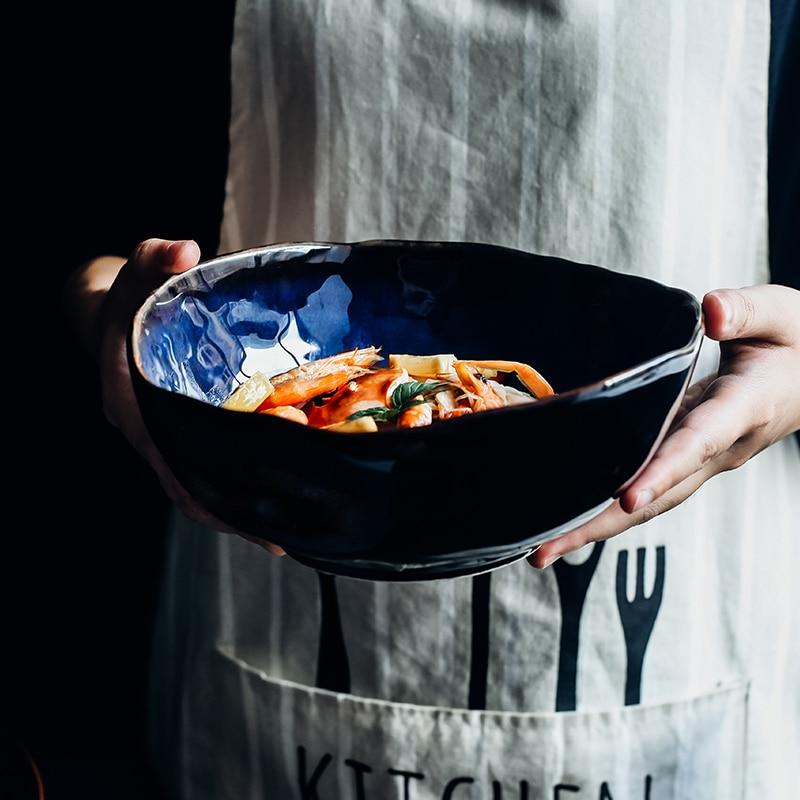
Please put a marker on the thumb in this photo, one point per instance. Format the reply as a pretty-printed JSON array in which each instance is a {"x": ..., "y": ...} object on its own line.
[
  {"x": 767, "y": 312},
  {"x": 150, "y": 264},
  {"x": 154, "y": 260}
]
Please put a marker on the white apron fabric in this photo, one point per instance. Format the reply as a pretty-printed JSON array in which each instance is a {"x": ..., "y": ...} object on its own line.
[{"x": 661, "y": 664}]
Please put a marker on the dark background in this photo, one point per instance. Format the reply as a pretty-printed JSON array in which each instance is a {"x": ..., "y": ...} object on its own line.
[
  {"x": 122, "y": 115},
  {"x": 122, "y": 112}
]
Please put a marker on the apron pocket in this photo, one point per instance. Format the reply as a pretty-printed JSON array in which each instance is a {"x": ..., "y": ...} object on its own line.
[{"x": 266, "y": 738}]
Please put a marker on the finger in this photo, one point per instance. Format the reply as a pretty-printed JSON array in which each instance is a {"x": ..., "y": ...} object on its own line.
[
  {"x": 150, "y": 264},
  {"x": 614, "y": 520},
  {"x": 165, "y": 255},
  {"x": 691, "y": 399},
  {"x": 154, "y": 260},
  {"x": 710, "y": 429},
  {"x": 767, "y": 312},
  {"x": 273, "y": 549},
  {"x": 605, "y": 525}
]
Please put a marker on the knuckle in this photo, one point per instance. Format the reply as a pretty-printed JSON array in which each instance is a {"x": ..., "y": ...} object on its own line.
[
  {"x": 710, "y": 448},
  {"x": 654, "y": 509},
  {"x": 573, "y": 543},
  {"x": 577, "y": 540},
  {"x": 705, "y": 445},
  {"x": 734, "y": 459},
  {"x": 763, "y": 416},
  {"x": 650, "y": 512},
  {"x": 742, "y": 451},
  {"x": 143, "y": 251},
  {"x": 140, "y": 251},
  {"x": 748, "y": 311}
]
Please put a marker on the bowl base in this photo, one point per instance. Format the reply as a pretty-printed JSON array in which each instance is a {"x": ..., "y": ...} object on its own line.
[
  {"x": 408, "y": 573},
  {"x": 458, "y": 567}
]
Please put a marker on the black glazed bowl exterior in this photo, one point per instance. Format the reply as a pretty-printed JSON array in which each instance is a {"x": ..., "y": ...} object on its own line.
[{"x": 454, "y": 498}]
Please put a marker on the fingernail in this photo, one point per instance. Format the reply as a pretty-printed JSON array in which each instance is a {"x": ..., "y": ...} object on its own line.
[
  {"x": 643, "y": 498},
  {"x": 174, "y": 246},
  {"x": 727, "y": 309},
  {"x": 551, "y": 560}
]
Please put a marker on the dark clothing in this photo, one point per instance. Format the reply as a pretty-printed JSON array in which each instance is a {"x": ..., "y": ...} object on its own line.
[{"x": 784, "y": 143}]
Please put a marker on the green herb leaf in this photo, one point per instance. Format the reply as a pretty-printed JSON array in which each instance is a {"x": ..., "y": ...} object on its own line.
[
  {"x": 403, "y": 396},
  {"x": 380, "y": 413}
]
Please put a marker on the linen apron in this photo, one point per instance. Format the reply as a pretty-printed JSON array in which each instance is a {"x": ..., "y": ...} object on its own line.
[{"x": 660, "y": 664}]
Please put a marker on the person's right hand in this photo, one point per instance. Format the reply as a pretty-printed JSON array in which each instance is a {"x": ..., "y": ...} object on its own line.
[{"x": 152, "y": 262}]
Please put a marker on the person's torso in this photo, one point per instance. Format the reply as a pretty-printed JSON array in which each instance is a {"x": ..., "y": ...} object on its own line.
[{"x": 631, "y": 137}]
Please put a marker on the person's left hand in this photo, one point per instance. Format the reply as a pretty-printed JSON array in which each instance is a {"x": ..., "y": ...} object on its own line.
[{"x": 725, "y": 419}]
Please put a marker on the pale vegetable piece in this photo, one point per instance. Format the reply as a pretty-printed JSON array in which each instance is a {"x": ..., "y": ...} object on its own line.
[
  {"x": 358, "y": 425},
  {"x": 438, "y": 366},
  {"x": 287, "y": 412},
  {"x": 515, "y": 397},
  {"x": 511, "y": 395},
  {"x": 445, "y": 401},
  {"x": 251, "y": 394},
  {"x": 423, "y": 366}
]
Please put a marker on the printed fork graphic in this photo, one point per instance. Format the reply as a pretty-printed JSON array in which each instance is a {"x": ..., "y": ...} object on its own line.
[{"x": 638, "y": 616}]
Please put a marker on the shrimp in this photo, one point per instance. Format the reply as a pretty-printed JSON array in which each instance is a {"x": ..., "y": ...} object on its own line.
[
  {"x": 303, "y": 383},
  {"x": 534, "y": 382},
  {"x": 482, "y": 394},
  {"x": 460, "y": 411},
  {"x": 416, "y": 416},
  {"x": 368, "y": 391},
  {"x": 287, "y": 412}
]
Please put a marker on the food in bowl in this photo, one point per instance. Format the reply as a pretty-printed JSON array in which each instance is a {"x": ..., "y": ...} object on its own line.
[{"x": 346, "y": 393}]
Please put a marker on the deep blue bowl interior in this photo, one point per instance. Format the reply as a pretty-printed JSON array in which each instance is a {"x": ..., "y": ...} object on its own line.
[
  {"x": 209, "y": 328},
  {"x": 619, "y": 350}
]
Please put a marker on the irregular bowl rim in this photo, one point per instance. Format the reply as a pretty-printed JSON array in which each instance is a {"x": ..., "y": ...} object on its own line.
[{"x": 638, "y": 373}]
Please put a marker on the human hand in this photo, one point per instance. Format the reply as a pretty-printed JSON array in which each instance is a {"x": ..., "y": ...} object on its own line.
[
  {"x": 151, "y": 263},
  {"x": 726, "y": 419}
]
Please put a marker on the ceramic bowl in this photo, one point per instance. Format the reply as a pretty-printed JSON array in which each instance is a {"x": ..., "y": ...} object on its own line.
[{"x": 458, "y": 497}]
